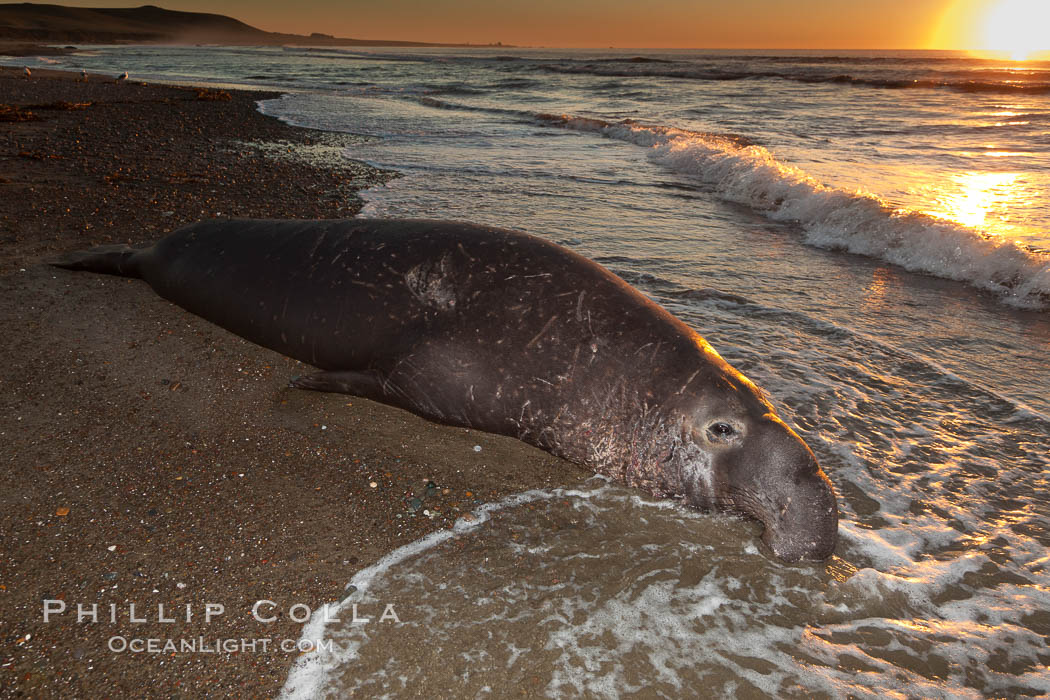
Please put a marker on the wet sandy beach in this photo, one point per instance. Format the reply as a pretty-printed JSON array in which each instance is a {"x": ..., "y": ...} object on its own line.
[{"x": 151, "y": 458}]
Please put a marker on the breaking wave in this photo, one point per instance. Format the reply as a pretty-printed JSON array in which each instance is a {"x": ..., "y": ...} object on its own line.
[
  {"x": 740, "y": 171},
  {"x": 837, "y": 219}
]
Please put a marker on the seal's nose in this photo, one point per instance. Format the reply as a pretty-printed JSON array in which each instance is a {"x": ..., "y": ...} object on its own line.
[
  {"x": 804, "y": 523},
  {"x": 807, "y": 524}
]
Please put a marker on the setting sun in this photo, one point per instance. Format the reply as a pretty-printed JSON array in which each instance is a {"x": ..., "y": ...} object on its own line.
[
  {"x": 1014, "y": 29},
  {"x": 1017, "y": 28}
]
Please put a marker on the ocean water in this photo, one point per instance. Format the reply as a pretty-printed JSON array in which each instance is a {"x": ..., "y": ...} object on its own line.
[{"x": 863, "y": 234}]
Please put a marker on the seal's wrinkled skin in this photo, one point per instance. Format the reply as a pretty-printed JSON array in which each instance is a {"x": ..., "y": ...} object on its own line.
[{"x": 503, "y": 332}]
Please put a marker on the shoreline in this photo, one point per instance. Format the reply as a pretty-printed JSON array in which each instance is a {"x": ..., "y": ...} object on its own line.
[
  {"x": 155, "y": 459},
  {"x": 81, "y": 158}
]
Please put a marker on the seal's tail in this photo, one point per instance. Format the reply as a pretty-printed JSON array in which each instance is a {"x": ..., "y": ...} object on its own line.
[{"x": 107, "y": 259}]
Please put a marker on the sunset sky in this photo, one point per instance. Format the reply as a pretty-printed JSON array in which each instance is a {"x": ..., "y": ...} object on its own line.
[{"x": 823, "y": 24}]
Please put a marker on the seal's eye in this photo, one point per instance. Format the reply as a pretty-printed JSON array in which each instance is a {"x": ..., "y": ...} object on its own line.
[{"x": 721, "y": 432}]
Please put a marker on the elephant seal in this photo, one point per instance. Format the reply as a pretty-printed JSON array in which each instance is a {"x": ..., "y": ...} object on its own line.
[{"x": 504, "y": 332}]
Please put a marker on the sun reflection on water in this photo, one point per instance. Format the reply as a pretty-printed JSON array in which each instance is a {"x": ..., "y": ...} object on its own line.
[
  {"x": 875, "y": 293},
  {"x": 978, "y": 200}
]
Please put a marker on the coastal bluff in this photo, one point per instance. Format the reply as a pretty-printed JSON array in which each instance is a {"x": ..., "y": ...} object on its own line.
[{"x": 43, "y": 23}]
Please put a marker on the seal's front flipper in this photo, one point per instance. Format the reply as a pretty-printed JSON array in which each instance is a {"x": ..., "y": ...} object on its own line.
[
  {"x": 350, "y": 382},
  {"x": 107, "y": 259}
]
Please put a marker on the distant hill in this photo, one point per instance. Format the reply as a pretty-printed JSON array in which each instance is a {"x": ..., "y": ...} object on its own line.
[{"x": 33, "y": 22}]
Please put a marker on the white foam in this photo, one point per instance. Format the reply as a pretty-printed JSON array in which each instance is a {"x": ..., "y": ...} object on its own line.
[
  {"x": 309, "y": 674},
  {"x": 927, "y": 628}
]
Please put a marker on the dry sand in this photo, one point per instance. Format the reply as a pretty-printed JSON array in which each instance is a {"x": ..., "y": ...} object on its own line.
[{"x": 150, "y": 457}]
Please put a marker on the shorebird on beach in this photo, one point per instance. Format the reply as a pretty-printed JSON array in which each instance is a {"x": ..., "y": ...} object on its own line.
[{"x": 122, "y": 77}]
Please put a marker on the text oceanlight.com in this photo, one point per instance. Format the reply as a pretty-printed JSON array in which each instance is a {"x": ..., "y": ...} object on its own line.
[{"x": 201, "y": 645}]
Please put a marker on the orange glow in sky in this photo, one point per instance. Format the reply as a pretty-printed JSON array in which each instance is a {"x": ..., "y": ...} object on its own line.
[{"x": 1016, "y": 27}]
